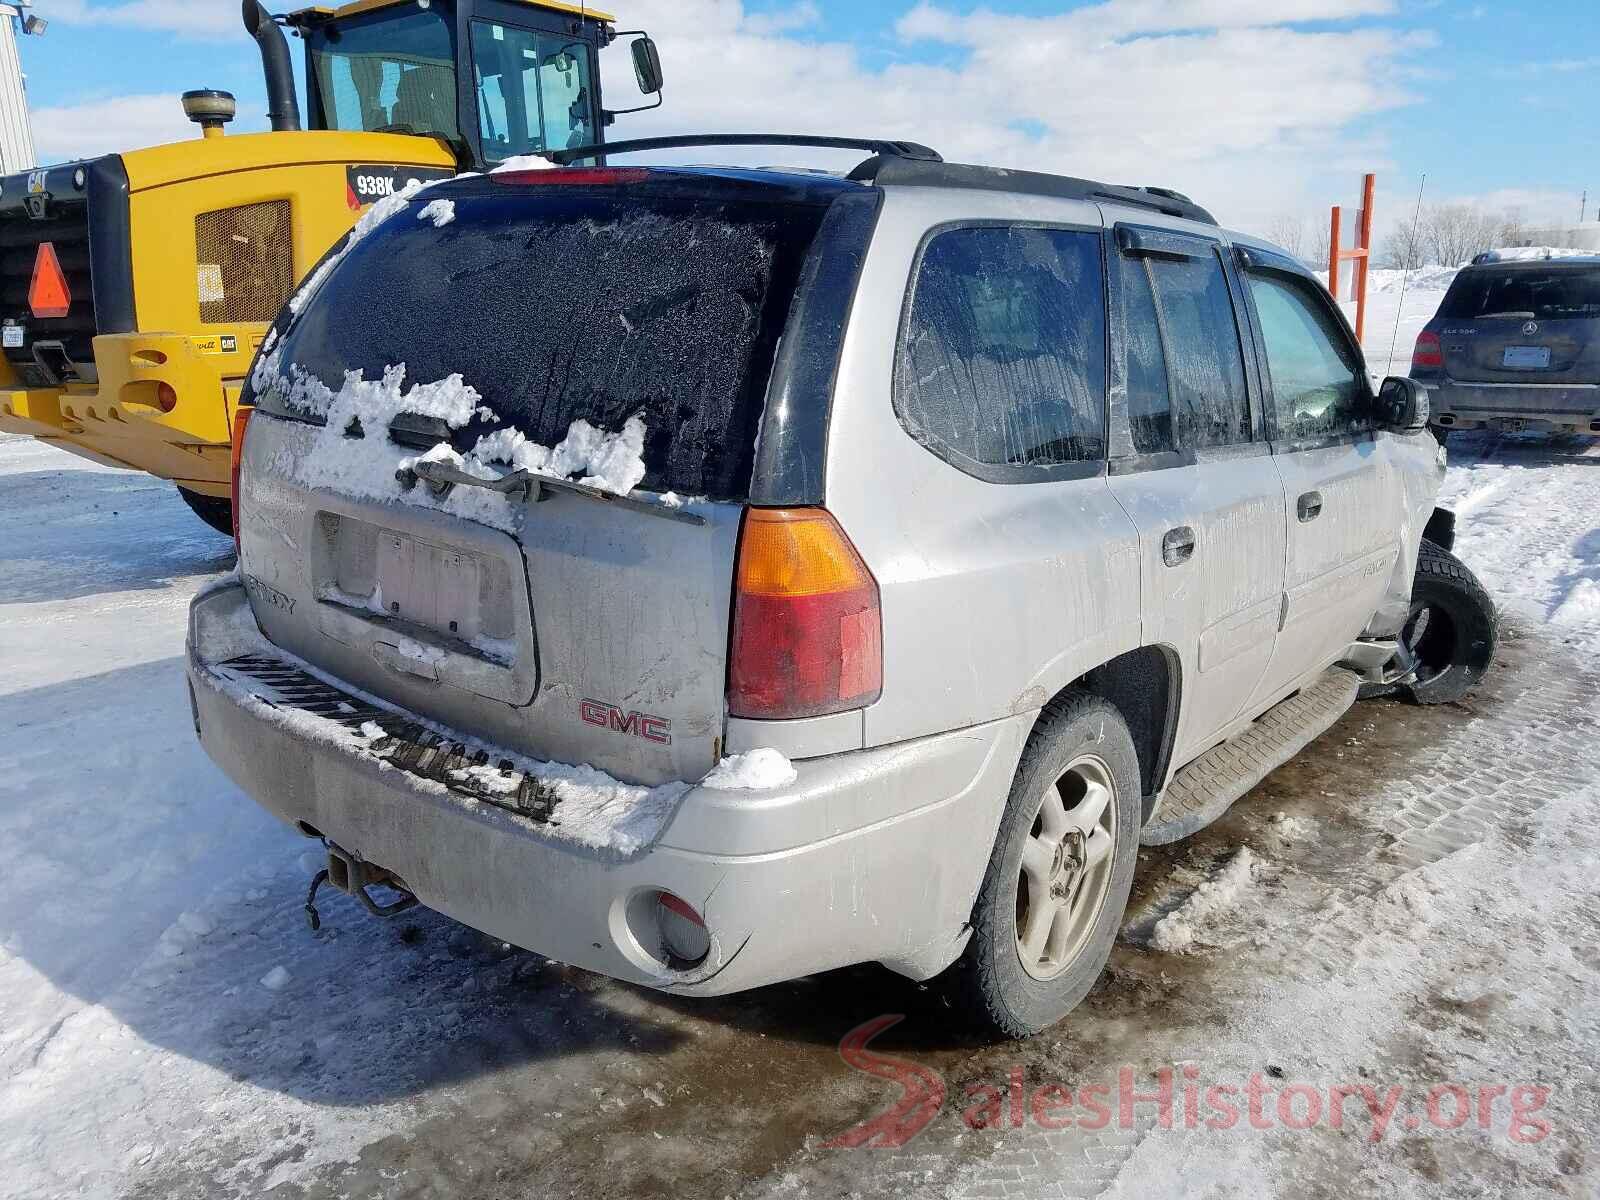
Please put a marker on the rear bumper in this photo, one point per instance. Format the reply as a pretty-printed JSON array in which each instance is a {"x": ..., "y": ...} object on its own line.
[
  {"x": 1457, "y": 405},
  {"x": 875, "y": 855}
]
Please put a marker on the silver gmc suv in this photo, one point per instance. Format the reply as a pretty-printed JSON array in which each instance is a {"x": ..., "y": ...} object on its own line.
[{"x": 713, "y": 576}]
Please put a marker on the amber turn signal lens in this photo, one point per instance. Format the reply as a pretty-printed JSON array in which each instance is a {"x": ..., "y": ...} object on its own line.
[{"x": 807, "y": 627}]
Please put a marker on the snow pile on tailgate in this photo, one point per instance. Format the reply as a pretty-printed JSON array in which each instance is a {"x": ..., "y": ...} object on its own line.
[{"x": 375, "y": 468}]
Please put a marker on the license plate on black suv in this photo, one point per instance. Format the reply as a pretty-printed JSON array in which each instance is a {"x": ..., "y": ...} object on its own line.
[{"x": 1525, "y": 358}]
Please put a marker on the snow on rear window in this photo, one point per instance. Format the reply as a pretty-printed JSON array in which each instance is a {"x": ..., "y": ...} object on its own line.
[{"x": 575, "y": 304}]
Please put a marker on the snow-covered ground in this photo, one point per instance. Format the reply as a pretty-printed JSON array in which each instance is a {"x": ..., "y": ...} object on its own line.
[{"x": 1413, "y": 902}]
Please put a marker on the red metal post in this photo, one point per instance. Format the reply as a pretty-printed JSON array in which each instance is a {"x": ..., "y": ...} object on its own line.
[{"x": 1368, "y": 187}]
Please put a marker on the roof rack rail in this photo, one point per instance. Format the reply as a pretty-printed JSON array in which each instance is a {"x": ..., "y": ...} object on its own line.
[
  {"x": 910, "y": 164},
  {"x": 880, "y": 147},
  {"x": 902, "y": 171}
]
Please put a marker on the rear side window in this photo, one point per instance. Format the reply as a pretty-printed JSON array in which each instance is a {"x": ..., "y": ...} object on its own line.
[
  {"x": 1524, "y": 294},
  {"x": 1319, "y": 387},
  {"x": 558, "y": 303},
  {"x": 1210, "y": 403},
  {"x": 1002, "y": 362}
]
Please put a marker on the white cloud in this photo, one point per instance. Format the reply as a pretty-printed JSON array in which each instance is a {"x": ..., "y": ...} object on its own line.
[
  {"x": 1246, "y": 104},
  {"x": 106, "y": 126},
  {"x": 783, "y": 20},
  {"x": 196, "y": 18}
]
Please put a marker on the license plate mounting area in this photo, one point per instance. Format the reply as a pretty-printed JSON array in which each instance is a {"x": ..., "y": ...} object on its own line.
[
  {"x": 434, "y": 586},
  {"x": 1525, "y": 358}
]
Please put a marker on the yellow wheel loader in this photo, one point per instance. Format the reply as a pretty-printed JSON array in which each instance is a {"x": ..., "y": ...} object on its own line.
[{"x": 135, "y": 288}]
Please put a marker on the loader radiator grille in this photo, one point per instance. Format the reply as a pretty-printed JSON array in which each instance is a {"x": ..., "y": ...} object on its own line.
[{"x": 245, "y": 258}]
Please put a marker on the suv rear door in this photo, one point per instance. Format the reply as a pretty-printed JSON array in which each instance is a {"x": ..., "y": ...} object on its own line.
[
  {"x": 1523, "y": 323},
  {"x": 1193, "y": 475},
  {"x": 1342, "y": 504},
  {"x": 565, "y": 625}
]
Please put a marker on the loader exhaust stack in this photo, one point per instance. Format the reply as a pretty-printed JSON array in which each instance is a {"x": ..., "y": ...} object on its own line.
[{"x": 283, "y": 108}]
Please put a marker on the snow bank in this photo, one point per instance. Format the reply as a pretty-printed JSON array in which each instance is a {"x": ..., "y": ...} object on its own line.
[
  {"x": 1531, "y": 253},
  {"x": 758, "y": 771},
  {"x": 1177, "y": 932},
  {"x": 1423, "y": 279}
]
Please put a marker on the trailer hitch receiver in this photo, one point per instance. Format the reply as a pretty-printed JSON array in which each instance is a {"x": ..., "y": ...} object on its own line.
[{"x": 353, "y": 875}]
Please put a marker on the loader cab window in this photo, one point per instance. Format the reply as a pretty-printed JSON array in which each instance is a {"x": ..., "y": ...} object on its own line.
[
  {"x": 534, "y": 91},
  {"x": 391, "y": 72}
]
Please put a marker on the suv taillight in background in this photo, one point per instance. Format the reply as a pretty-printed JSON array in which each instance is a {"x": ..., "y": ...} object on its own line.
[
  {"x": 807, "y": 627},
  {"x": 241, "y": 421},
  {"x": 1428, "y": 353}
]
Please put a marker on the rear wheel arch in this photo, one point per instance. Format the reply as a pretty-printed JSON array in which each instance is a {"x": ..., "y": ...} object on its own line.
[{"x": 1143, "y": 685}]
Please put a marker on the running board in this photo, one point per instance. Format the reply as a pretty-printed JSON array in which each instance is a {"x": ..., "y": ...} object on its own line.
[{"x": 1205, "y": 789}]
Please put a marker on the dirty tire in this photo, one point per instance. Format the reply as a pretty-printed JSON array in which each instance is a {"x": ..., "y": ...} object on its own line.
[
  {"x": 213, "y": 510},
  {"x": 1458, "y": 641},
  {"x": 989, "y": 984}
]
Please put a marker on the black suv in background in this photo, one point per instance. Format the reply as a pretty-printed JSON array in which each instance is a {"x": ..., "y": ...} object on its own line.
[{"x": 1515, "y": 345}]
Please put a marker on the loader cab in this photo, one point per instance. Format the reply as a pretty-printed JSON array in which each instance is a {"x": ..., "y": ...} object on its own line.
[{"x": 493, "y": 78}]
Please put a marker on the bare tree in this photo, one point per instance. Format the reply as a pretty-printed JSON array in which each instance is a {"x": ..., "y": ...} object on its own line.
[
  {"x": 1454, "y": 233},
  {"x": 1403, "y": 249},
  {"x": 1319, "y": 245},
  {"x": 1289, "y": 232},
  {"x": 1512, "y": 228}
]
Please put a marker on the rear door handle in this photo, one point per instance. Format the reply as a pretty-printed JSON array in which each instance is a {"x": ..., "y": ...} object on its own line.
[
  {"x": 1309, "y": 507},
  {"x": 1177, "y": 546}
]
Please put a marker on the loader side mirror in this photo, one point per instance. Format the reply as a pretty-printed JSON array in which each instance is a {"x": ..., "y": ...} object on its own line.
[
  {"x": 647, "y": 65},
  {"x": 1403, "y": 404}
]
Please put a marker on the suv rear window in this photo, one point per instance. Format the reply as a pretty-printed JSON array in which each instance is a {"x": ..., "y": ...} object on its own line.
[
  {"x": 559, "y": 302},
  {"x": 1561, "y": 294}
]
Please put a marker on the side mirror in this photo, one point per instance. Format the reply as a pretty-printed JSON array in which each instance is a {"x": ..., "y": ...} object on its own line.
[
  {"x": 647, "y": 65},
  {"x": 1403, "y": 404}
]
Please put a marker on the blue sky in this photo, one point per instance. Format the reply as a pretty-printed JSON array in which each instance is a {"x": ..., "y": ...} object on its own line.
[{"x": 1494, "y": 101}]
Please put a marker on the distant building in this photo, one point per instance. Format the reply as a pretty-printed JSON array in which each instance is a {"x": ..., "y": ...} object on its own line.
[{"x": 16, "y": 130}]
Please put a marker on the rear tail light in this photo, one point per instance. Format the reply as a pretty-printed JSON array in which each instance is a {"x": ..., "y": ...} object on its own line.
[
  {"x": 807, "y": 626},
  {"x": 574, "y": 176},
  {"x": 1428, "y": 352},
  {"x": 241, "y": 421}
]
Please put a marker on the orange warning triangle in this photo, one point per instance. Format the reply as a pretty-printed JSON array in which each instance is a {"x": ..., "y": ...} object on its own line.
[{"x": 48, "y": 294}]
